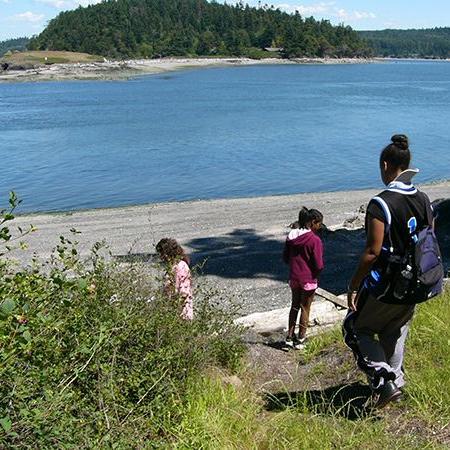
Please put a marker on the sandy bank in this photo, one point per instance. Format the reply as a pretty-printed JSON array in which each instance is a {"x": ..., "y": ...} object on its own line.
[
  {"x": 238, "y": 242},
  {"x": 120, "y": 70}
]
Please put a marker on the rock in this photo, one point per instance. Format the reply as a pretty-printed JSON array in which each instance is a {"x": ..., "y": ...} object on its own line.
[
  {"x": 232, "y": 380},
  {"x": 354, "y": 222},
  {"x": 13, "y": 66},
  {"x": 323, "y": 314},
  {"x": 441, "y": 209}
]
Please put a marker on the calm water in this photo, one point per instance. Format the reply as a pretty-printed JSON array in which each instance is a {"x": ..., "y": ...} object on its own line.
[{"x": 233, "y": 132}]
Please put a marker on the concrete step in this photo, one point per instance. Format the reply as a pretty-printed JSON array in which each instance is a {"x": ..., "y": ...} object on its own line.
[{"x": 326, "y": 310}]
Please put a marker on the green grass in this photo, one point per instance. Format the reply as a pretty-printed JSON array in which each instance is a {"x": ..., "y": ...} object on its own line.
[
  {"x": 428, "y": 361},
  {"x": 49, "y": 57},
  {"x": 319, "y": 343},
  {"x": 218, "y": 415},
  {"x": 221, "y": 416}
]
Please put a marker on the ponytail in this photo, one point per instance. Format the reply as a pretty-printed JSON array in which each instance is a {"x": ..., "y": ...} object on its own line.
[
  {"x": 307, "y": 216},
  {"x": 303, "y": 217}
]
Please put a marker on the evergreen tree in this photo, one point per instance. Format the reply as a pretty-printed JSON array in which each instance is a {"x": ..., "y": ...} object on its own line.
[
  {"x": 17, "y": 44},
  {"x": 154, "y": 28},
  {"x": 426, "y": 43}
]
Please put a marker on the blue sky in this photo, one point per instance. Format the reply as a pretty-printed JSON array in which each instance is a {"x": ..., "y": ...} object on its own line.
[{"x": 28, "y": 17}]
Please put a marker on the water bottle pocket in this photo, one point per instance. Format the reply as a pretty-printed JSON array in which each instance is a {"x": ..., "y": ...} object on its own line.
[{"x": 402, "y": 284}]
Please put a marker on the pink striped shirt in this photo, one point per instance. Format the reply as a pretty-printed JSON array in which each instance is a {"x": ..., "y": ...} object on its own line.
[{"x": 183, "y": 286}]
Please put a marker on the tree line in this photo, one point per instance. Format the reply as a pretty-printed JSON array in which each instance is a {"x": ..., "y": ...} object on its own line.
[
  {"x": 425, "y": 43},
  {"x": 13, "y": 44},
  {"x": 158, "y": 28}
]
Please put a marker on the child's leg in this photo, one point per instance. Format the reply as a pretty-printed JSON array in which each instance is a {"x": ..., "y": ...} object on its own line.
[
  {"x": 295, "y": 308},
  {"x": 306, "y": 299}
]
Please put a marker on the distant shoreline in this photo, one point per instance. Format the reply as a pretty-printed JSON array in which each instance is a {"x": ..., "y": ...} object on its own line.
[
  {"x": 109, "y": 70},
  {"x": 407, "y": 58},
  {"x": 123, "y": 70}
]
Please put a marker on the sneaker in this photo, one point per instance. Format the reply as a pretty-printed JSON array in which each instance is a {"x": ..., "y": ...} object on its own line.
[
  {"x": 290, "y": 341},
  {"x": 300, "y": 343},
  {"x": 295, "y": 343},
  {"x": 387, "y": 393}
]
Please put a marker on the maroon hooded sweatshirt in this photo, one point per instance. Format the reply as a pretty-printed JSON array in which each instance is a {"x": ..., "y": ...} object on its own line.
[{"x": 303, "y": 252}]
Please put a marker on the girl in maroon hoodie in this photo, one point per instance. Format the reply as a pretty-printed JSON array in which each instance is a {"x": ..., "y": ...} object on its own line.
[{"x": 303, "y": 252}]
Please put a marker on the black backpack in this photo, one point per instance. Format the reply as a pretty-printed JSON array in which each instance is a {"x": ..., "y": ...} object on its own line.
[
  {"x": 416, "y": 276},
  {"x": 420, "y": 275}
]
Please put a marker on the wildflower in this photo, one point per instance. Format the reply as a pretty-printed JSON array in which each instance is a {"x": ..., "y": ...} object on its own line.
[{"x": 22, "y": 320}]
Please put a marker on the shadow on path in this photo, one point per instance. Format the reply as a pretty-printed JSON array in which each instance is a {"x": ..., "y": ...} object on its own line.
[
  {"x": 345, "y": 400},
  {"x": 245, "y": 254}
]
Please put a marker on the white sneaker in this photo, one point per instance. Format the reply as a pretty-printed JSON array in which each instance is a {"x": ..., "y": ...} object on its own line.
[
  {"x": 295, "y": 343},
  {"x": 300, "y": 344},
  {"x": 290, "y": 342}
]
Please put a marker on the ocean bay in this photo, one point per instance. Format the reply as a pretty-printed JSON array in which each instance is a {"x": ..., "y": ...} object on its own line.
[{"x": 219, "y": 133}]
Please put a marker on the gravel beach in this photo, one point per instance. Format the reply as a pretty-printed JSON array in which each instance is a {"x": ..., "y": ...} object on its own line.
[
  {"x": 122, "y": 70},
  {"x": 237, "y": 243}
]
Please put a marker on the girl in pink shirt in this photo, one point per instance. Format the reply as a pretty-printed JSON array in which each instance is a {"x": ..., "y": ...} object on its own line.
[
  {"x": 178, "y": 277},
  {"x": 303, "y": 252}
]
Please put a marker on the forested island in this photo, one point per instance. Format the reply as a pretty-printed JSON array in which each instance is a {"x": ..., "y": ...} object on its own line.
[
  {"x": 161, "y": 28},
  {"x": 121, "y": 29},
  {"x": 425, "y": 43}
]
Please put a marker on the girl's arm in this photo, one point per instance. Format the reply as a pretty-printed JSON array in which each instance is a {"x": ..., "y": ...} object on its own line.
[
  {"x": 318, "y": 256},
  {"x": 374, "y": 242}
]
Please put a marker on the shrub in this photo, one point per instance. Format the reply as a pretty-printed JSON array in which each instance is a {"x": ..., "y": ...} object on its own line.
[{"x": 92, "y": 354}]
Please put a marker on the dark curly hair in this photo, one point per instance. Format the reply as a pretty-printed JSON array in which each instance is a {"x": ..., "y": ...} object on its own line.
[{"x": 171, "y": 251}]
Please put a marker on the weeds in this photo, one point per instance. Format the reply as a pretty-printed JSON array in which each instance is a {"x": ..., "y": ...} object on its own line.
[{"x": 94, "y": 355}]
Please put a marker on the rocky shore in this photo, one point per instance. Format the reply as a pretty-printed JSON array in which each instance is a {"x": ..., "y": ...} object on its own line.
[
  {"x": 235, "y": 244},
  {"x": 122, "y": 70}
]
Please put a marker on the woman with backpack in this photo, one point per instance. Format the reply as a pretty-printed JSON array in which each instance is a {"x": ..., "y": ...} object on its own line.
[{"x": 378, "y": 291}]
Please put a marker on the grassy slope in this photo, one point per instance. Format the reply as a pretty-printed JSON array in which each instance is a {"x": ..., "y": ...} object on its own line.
[
  {"x": 53, "y": 57},
  {"x": 221, "y": 416}
]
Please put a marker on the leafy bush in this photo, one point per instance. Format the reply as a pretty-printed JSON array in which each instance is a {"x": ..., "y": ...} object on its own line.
[{"x": 92, "y": 354}]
